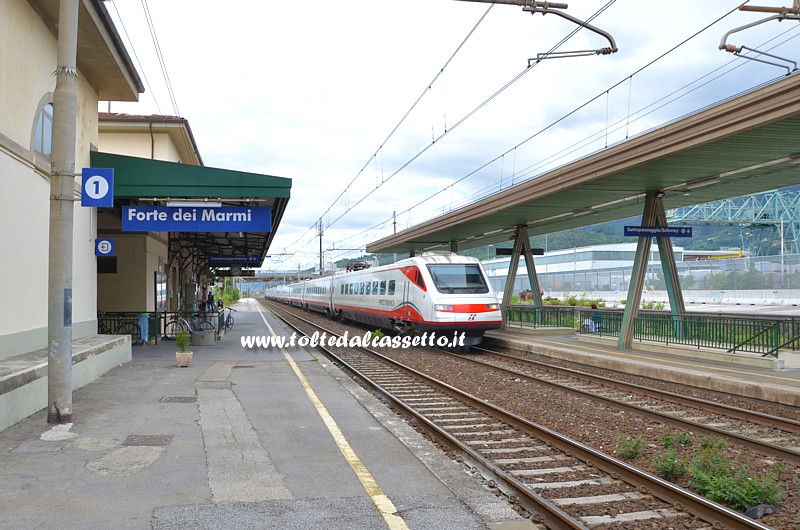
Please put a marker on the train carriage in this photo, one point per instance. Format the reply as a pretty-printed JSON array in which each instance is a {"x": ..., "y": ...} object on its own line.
[{"x": 442, "y": 293}]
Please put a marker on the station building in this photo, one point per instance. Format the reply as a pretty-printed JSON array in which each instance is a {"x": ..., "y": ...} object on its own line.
[
  {"x": 604, "y": 271},
  {"x": 595, "y": 268},
  {"x": 128, "y": 281},
  {"x": 28, "y": 50},
  {"x": 155, "y": 161}
]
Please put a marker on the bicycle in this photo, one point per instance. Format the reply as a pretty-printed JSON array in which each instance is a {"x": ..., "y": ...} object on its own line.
[
  {"x": 180, "y": 323},
  {"x": 125, "y": 327},
  {"x": 229, "y": 319}
]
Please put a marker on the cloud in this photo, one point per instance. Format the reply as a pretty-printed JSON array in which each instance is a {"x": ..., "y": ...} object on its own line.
[{"x": 311, "y": 91}]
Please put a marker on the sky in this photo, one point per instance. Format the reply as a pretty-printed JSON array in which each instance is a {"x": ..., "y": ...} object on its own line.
[{"x": 386, "y": 114}]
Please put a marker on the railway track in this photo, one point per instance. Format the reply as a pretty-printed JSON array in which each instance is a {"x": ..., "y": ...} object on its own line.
[
  {"x": 769, "y": 435},
  {"x": 561, "y": 482}
]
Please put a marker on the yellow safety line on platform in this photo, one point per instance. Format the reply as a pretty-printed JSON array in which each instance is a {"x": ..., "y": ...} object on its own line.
[
  {"x": 384, "y": 505},
  {"x": 679, "y": 363}
]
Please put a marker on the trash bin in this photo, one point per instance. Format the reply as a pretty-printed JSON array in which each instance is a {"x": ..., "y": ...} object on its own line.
[{"x": 144, "y": 326}]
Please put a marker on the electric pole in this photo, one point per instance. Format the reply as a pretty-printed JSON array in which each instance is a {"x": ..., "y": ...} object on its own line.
[
  {"x": 62, "y": 198},
  {"x": 321, "y": 265}
]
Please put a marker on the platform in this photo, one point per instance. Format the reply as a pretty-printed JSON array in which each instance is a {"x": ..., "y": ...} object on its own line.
[
  {"x": 23, "y": 378},
  {"x": 244, "y": 438},
  {"x": 702, "y": 368}
]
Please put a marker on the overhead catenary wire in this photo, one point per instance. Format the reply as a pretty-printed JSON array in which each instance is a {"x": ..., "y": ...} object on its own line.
[
  {"x": 474, "y": 111},
  {"x": 189, "y": 148},
  {"x": 135, "y": 55},
  {"x": 414, "y": 105},
  {"x": 449, "y": 130},
  {"x": 628, "y": 78},
  {"x": 625, "y": 121},
  {"x": 160, "y": 56}
]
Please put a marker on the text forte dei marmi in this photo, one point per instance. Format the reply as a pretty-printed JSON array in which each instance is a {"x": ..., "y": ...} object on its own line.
[{"x": 206, "y": 215}]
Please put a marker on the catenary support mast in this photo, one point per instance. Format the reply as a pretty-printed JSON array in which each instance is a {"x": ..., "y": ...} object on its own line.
[{"x": 62, "y": 198}]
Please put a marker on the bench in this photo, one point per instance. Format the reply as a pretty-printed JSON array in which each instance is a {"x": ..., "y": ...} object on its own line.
[{"x": 23, "y": 378}]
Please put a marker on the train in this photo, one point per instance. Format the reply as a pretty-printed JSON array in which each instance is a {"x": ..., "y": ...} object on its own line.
[{"x": 442, "y": 293}]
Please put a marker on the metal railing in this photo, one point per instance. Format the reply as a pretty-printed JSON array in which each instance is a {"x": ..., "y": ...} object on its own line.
[
  {"x": 172, "y": 321},
  {"x": 733, "y": 334},
  {"x": 128, "y": 323},
  {"x": 546, "y": 317}
]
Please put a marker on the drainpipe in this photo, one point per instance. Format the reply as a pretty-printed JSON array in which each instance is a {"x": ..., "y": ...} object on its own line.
[
  {"x": 152, "y": 143},
  {"x": 62, "y": 197}
]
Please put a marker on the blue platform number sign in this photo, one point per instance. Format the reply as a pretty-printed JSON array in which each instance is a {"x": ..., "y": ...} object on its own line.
[
  {"x": 98, "y": 187},
  {"x": 104, "y": 247}
]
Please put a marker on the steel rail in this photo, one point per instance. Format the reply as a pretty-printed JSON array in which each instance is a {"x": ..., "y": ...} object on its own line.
[
  {"x": 549, "y": 514},
  {"x": 718, "y": 408},
  {"x": 761, "y": 446},
  {"x": 719, "y": 516}
]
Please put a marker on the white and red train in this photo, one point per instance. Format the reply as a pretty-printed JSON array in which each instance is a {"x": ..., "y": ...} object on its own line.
[{"x": 442, "y": 293}]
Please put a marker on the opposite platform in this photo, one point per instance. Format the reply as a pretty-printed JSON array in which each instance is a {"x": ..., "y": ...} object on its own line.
[
  {"x": 243, "y": 438},
  {"x": 674, "y": 364}
]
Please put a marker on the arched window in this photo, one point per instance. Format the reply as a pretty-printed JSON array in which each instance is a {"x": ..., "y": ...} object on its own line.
[{"x": 43, "y": 137}]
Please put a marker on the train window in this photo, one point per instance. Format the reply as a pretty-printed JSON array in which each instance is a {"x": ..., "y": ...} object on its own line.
[
  {"x": 350, "y": 291},
  {"x": 458, "y": 278},
  {"x": 391, "y": 288},
  {"x": 383, "y": 287},
  {"x": 369, "y": 288},
  {"x": 418, "y": 279},
  {"x": 361, "y": 288},
  {"x": 375, "y": 288}
]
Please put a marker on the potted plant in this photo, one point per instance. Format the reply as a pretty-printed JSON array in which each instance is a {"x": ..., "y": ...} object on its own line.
[{"x": 183, "y": 357}]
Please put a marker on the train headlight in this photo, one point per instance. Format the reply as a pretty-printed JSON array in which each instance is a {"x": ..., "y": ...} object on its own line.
[
  {"x": 492, "y": 307},
  {"x": 442, "y": 307}
]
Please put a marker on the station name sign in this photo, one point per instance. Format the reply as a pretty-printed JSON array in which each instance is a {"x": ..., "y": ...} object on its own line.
[
  {"x": 214, "y": 261},
  {"x": 196, "y": 219},
  {"x": 659, "y": 231}
]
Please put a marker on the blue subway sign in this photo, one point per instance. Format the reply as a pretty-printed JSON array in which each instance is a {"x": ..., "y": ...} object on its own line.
[
  {"x": 659, "y": 231},
  {"x": 196, "y": 219}
]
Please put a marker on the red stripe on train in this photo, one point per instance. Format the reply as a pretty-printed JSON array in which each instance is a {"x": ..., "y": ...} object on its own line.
[{"x": 473, "y": 308}]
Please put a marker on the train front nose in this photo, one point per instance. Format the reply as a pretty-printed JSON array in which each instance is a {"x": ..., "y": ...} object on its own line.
[{"x": 467, "y": 315}]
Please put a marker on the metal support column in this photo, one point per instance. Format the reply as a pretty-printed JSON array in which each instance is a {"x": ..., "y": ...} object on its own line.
[
  {"x": 637, "y": 274},
  {"x": 521, "y": 245},
  {"x": 533, "y": 279},
  {"x": 669, "y": 265},
  {"x": 454, "y": 246}
]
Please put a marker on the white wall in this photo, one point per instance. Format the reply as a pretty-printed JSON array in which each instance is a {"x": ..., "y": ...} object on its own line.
[{"x": 27, "y": 61}]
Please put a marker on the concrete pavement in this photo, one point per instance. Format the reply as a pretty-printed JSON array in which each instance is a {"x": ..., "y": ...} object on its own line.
[{"x": 235, "y": 441}]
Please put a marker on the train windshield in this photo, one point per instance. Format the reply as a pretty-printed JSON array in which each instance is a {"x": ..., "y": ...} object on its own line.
[{"x": 458, "y": 278}]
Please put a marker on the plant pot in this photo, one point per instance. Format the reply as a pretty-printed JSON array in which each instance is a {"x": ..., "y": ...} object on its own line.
[
  {"x": 183, "y": 359},
  {"x": 203, "y": 338}
]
